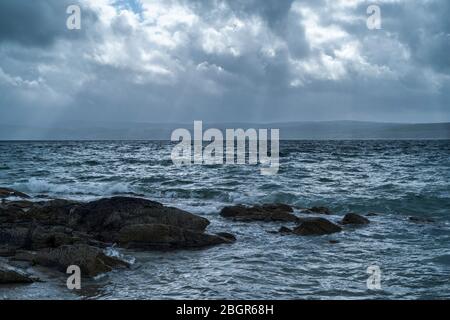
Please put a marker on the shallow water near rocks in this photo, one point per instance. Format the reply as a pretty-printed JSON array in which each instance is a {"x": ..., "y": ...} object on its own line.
[{"x": 397, "y": 179}]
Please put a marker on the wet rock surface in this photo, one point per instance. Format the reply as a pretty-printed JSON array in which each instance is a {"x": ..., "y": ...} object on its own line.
[
  {"x": 59, "y": 233},
  {"x": 316, "y": 227},
  {"x": 266, "y": 212},
  {"x": 13, "y": 275},
  {"x": 91, "y": 260},
  {"x": 317, "y": 210},
  {"x": 8, "y": 192},
  {"x": 354, "y": 218},
  {"x": 166, "y": 237},
  {"x": 420, "y": 220}
]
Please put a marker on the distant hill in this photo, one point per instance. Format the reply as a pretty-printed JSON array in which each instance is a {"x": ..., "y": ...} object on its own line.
[{"x": 312, "y": 130}]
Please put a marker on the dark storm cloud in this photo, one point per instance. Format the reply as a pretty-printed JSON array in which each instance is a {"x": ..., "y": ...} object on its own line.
[
  {"x": 231, "y": 60},
  {"x": 36, "y": 23}
]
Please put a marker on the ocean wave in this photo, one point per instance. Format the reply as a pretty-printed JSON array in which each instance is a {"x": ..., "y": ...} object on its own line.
[{"x": 37, "y": 186}]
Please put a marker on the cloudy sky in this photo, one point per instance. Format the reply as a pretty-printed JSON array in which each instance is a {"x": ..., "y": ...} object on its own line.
[{"x": 224, "y": 60}]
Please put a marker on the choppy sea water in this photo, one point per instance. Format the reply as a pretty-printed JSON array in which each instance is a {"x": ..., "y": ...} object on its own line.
[{"x": 398, "y": 179}]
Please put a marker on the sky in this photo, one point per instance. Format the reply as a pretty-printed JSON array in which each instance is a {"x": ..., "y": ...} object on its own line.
[{"x": 224, "y": 60}]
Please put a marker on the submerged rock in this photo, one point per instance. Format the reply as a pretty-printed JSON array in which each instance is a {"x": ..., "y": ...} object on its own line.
[
  {"x": 267, "y": 212},
  {"x": 165, "y": 237},
  {"x": 12, "y": 275},
  {"x": 316, "y": 227},
  {"x": 318, "y": 210},
  {"x": 284, "y": 230},
  {"x": 227, "y": 236},
  {"x": 353, "y": 218},
  {"x": 14, "y": 237},
  {"x": 372, "y": 214},
  {"x": 420, "y": 220},
  {"x": 8, "y": 192}
]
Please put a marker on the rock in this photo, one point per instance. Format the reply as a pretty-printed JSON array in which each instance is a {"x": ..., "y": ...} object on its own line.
[
  {"x": 14, "y": 237},
  {"x": 60, "y": 233},
  {"x": 105, "y": 217},
  {"x": 267, "y": 212},
  {"x": 284, "y": 230},
  {"x": 166, "y": 237},
  {"x": 318, "y": 210},
  {"x": 226, "y": 235},
  {"x": 353, "y": 218},
  {"x": 57, "y": 222},
  {"x": 11, "y": 275},
  {"x": 316, "y": 226},
  {"x": 53, "y": 212},
  {"x": 8, "y": 192},
  {"x": 420, "y": 220},
  {"x": 333, "y": 241},
  {"x": 92, "y": 261},
  {"x": 7, "y": 251},
  {"x": 52, "y": 237},
  {"x": 372, "y": 214}
]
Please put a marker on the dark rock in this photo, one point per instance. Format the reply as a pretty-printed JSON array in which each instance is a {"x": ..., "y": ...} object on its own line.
[
  {"x": 284, "y": 230},
  {"x": 14, "y": 237},
  {"x": 8, "y": 192},
  {"x": 7, "y": 251},
  {"x": 227, "y": 236},
  {"x": 59, "y": 222},
  {"x": 105, "y": 217},
  {"x": 277, "y": 207},
  {"x": 11, "y": 275},
  {"x": 166, "y": 237},
  {"x": 333, "y": 241},
  {"x": 316, "y": 226},
  {"x": 420, "y": 220},
  {"x": 372, "y": 214},
  {"x": 267, "y": 212},
  {"x": 353, "y": 218},
  {"x": 53, "y": 212},
  {"x": 318, "y": 210},
  {"x": 14, "y": 211},
  {"x": 92, "y": 261},
  {"x": 60, "y": 233},
  {"x": 52, "y": 237}
]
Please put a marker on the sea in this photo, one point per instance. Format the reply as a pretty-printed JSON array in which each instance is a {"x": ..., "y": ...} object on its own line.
[{"x": 394, "y": 179}]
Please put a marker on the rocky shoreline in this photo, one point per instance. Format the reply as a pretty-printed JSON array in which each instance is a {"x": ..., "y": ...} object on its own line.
[{"x": 58, "y": 233}]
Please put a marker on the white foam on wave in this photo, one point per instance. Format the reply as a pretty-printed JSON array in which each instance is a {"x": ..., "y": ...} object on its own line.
[
  {"x": 37, "y": 186},
  {"x": 113, "y": 252}
]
